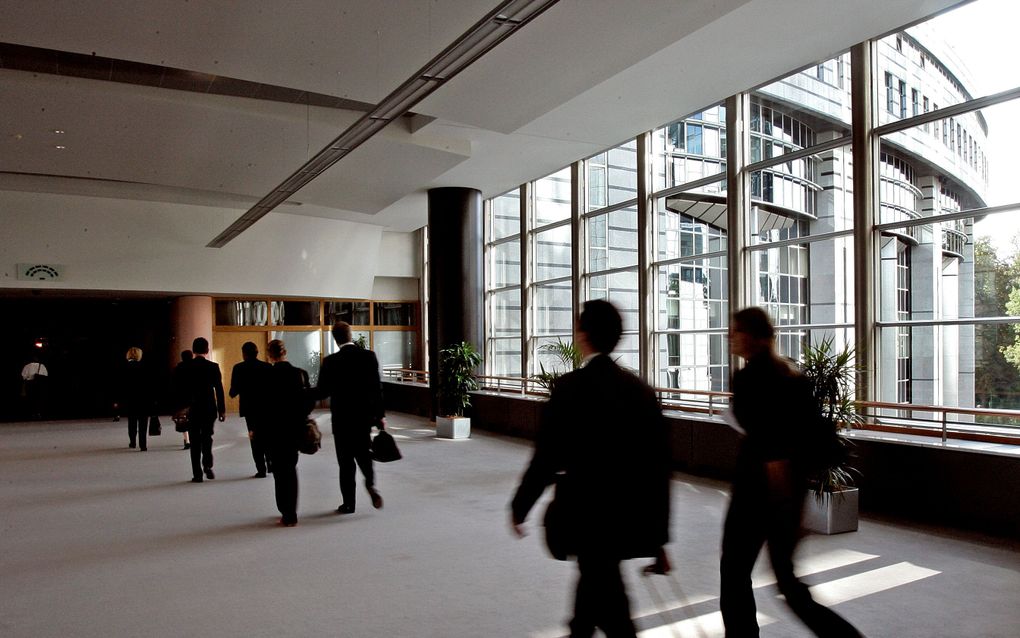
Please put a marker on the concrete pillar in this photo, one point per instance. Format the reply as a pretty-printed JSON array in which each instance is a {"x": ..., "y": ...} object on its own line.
[{"x": 190, "y": 317}]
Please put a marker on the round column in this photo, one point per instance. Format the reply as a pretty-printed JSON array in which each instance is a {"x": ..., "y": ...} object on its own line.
[
  {"x": 190, "y": 317},
  {"x": 456, "y": 281}
]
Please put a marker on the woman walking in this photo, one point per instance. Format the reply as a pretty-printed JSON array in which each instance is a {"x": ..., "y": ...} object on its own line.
[{"x": 135, "y": 397}]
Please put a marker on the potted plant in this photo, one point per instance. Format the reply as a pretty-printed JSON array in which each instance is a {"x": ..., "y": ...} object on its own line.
[
  {"x": 457, "y": 365},
  {"x": 833, "y": 506},
  {"x": 569, "y": 358}
]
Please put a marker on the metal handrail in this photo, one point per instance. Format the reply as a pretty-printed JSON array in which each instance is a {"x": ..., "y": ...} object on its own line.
[
  {"x": 716, "y": 400},
  {"x": 407, "y": 375},
  {"x": 980, "y": 431}
]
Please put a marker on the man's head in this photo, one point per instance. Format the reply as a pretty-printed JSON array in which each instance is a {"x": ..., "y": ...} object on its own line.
[
  {"x": 342, "y": 332},
  {"x": 751, "y": 332},
  {"x": 601, "y": 325},
  {"x": 249, "y": 351},
  {"x": 200, "y": 346},
  {"x": 187, "y": 355},
  {"x": 276, "y": 351}
]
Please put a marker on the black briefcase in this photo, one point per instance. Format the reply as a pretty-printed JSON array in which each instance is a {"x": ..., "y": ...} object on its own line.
[
  {"x": 384, "y": 448},
  {"x": 155, "y": 428}
]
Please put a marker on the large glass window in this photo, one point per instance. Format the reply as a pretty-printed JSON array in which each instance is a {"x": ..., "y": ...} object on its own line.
[
  {"x": 947, "y": 280},
  {"x": 503, "y": 286}
]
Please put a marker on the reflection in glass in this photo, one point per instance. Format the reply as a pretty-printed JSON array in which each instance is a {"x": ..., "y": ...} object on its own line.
[
  {"x": 241, "y": 313},
  {"x": 356, "y": 313},
  {"x": 296, "y": 313},
  {"x": 394, "y": 313},
  {"x": 303, "y": 350},
  {"x": 357, "y": 336},
  {"x": 396, "y": 349}
]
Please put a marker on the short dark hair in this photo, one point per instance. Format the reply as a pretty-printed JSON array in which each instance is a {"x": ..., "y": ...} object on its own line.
[
  {"x": 187, "y": 355},
  {"x": 601, "y": 323},
  {"x": 249, "y": 349},
  {"x": 754, "y": 322},
  {"x": 276, "y": 349},
  {"x": 200, "y": 345},
  {"x": 342, "y": 332}
]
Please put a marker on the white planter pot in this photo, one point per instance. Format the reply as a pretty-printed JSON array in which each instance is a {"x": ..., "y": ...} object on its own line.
[
  {"x": 833, "y": 513},
  {"x": 453, "y": 427}
]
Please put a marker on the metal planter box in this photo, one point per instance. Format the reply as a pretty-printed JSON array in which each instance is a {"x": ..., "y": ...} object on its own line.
[
  {"x": 458, "y": 427},
  {"x": 833, "y": 513}
]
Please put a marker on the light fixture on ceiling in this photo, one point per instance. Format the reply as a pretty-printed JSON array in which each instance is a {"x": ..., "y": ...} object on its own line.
[
  {"x": 498, "y": 25},
  {"x": 58, "y": 131},
  {"x": 59, "y": 147}
]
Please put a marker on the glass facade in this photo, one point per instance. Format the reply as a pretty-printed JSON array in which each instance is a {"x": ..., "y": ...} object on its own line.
[{"x": 941, "y": 275}]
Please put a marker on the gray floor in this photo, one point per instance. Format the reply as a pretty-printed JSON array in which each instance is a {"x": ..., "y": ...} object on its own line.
[{"x": 100, "y": 540}]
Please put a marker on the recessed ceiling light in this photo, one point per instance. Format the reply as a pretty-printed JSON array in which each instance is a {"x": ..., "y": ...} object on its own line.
[
  {"x": 60, "y": 147},
  {"x": 58, "y": 131}
]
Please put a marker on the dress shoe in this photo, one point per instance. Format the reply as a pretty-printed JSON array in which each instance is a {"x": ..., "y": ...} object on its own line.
[
  {"x": 288, "y": 523},
  {"x": 209, "y": 474},
  {"x": 376, "y": 498},
  {"x": 143, "y": 449},
  {"x": 259, "y": 475},
  {"x": 345, "y": 509},
  {"x": 196, "y": 479},
  {"x": 131, "y": 445}
]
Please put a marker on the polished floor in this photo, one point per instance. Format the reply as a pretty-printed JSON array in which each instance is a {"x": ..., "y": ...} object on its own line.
[{"x": 100, "y": 540}]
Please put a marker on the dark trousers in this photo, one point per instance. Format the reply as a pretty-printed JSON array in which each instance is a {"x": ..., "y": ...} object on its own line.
[
  {"x": 353, "y": 448},
  {"x": 201, "y": 432},
  {"x": 139, "y": 424},
  {"x": 260, "y": 448},
  {"x": 750, "y": 523},
  {"x": 285, "y": 481},
  {"x": 601, "y": 600}
]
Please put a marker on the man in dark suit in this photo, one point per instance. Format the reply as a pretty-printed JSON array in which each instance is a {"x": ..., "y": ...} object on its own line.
[
  {"x": 201, "y": 392},
  {"x": 350, "y": 378},
  {"x": 603, "y": 441},
  {"x": 248, "y": 380}
]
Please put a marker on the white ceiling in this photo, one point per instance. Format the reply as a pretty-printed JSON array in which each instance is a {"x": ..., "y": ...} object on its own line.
[{"x": 585, "y": 75}]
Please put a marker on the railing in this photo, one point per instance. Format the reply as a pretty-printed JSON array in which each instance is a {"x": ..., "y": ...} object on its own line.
[
  {"x": 405, "y": 375},
  {"x": 515, "y": 385},
  {"x": 975, "y": 424},
  {"x": 703, "y": 401}
]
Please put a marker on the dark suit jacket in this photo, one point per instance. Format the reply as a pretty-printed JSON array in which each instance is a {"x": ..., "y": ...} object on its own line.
[
  {"x": 248, "y": 380},
  {"x": 134, "y": 391},
  {"x": 350, "y": 378},
  {"x": 287, "y": 404},
  {"x": 200, "y": 388},
  {"x": 604, "y": 441}
]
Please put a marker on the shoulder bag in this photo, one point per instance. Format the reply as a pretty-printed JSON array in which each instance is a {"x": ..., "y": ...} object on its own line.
[{"x": 311, "y": 438}]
